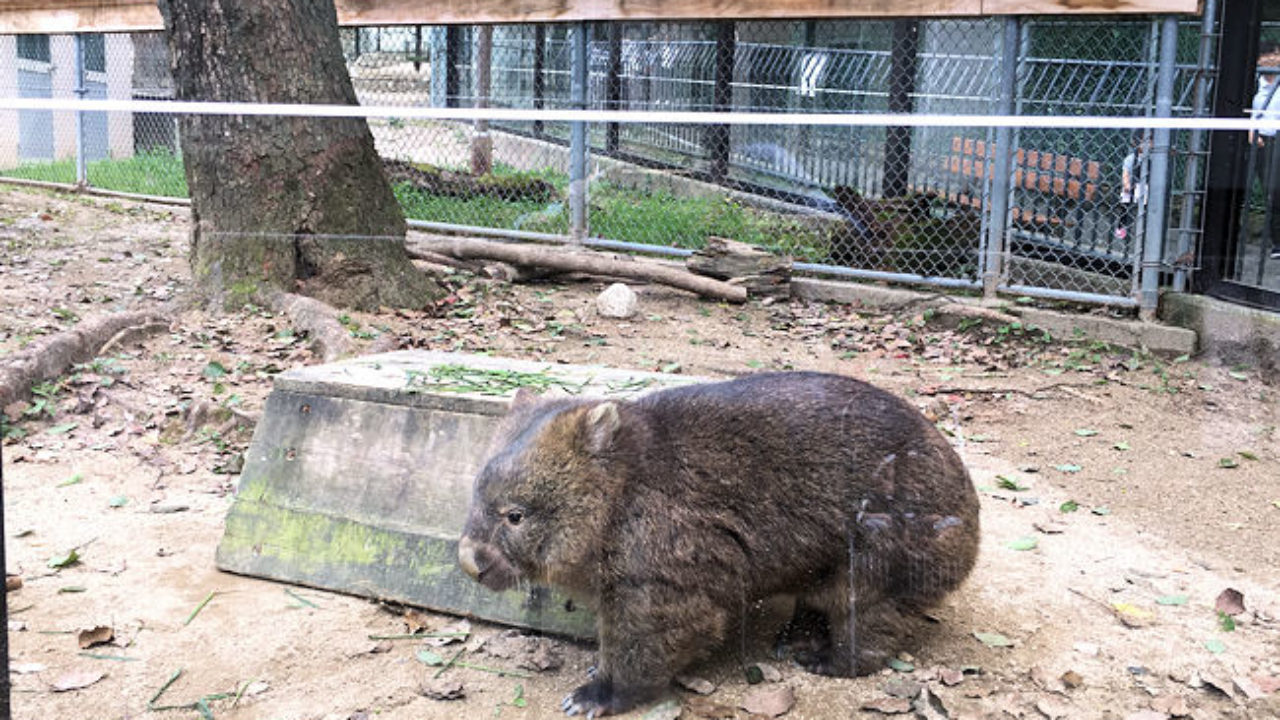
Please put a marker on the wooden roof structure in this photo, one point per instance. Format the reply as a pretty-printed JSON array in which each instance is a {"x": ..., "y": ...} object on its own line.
[{"x": 70, "y": 16}]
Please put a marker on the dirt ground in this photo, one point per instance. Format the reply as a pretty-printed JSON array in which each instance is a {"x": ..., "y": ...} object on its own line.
[{"x": 1173, "y": 466}]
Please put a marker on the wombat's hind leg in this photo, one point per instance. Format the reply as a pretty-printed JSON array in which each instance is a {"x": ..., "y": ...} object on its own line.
[{"x": 806, "y": 637}]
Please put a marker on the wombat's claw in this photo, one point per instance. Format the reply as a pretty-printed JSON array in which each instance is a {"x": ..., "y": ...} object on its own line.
[{"x": 572, "y": 707}]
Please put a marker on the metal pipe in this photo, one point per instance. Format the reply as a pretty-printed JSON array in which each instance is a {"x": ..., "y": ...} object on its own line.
[
  {"x": 82, "y": 173},
  {"x": 1071, "y": 296},
  {"x": 998, "y": 223},
  {"x": 99, "y": 192},
  {"x": 1195, "y": 144},
  {"x": 1158, "y": 184},
  {"x": 578, "y": 138}
]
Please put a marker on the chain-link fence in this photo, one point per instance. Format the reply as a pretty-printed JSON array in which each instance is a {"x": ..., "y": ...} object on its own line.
[{"x": 1068, "y": 218}]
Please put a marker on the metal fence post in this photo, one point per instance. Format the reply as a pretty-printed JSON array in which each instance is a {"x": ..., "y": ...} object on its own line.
[
  {"x": 82, "y": 173},
  {"x": 998, "y": 225},
  {"x": 613, "y": 86},
  {"x": 578, "y": 137},
  {"x": 482, "y": 143},
  {"x": 1195, "y": 147},
  {"x": 717, "y": 136},
  {"x": 1158, "y": 184}
]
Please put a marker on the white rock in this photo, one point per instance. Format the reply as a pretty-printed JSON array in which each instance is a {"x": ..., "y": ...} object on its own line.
[{"x": 617, "y": 301}]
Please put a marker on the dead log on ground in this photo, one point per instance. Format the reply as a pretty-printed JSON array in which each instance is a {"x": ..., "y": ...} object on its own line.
[
  {"x": 49, "y": 357},
  {"x": 329, "y": 339},
  {"x": 584, "y": 261},
  {"x": 761, "y": 272}
]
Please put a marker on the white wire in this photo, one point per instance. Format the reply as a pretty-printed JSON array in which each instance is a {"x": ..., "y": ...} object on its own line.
[{"x": 642, "y": 116}]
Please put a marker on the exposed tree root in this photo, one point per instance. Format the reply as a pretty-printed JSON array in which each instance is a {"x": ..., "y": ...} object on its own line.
[
  {"x": 583, "y": 261},
  {"x": 329, "y": 339},
  {"x": 51, "y": 356}
]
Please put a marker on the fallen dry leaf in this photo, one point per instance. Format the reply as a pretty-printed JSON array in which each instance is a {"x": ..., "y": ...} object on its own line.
[
  {"x": 1248, "y": 688},
  {"x": 415, "y": 621},
  {"x": 1132, "y": 615},
  {"x": 12, "y": 582},
  {"x": 97, "y": 635},
  {"x": 888, "y": 705},
  {"x": 1230, "y": 601},
  {"x": 77, "y": 680},
  {"x": 769, "y": 700},
  {"x": 1071, "y": 679}
]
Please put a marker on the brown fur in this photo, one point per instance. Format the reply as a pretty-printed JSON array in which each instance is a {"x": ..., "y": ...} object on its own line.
[{"x": 670, "y": 514}]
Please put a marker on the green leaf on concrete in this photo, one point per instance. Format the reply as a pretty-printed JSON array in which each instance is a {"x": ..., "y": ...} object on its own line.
[
  {"x": 63, "y": 428},
  {"x": 73, "y": 480},
  {"x": 1008, "y": 483},
  {"x": 1215, "y": 646},
  {"x": 1023, "y": 543},
  {"x": 67, "y": 559},
  {"x": 118, "y": 501},
  {"x": 901, "y": 666},
  {"x": 1122, "y": 446},
  {"x": 1226, "y": 623},
  {"x": 1069, "y": 506},
  {"x": 1086, "y": 432},
  {"x": 993, "y": 640},
  {"x": 1239, "y": 376},
  {"x": 1068, "y": 468},
  {"x": 1228, "y": 463},
  {"x": 1171, "y": 600},
  {"x": 1101, "y": 510}
]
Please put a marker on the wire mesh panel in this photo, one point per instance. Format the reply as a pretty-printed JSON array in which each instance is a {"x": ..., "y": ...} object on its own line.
[{"x": 911, "y": 202}]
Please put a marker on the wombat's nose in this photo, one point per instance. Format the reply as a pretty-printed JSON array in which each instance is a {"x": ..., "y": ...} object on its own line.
[{"x": 467, "y": 557}]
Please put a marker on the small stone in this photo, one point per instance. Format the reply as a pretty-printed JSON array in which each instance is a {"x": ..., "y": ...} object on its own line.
[
  {"x": 769, "y": 673},
  {"x": 709, "y": 709},
  {"x": 1071, "y": 679},
  {"x": 617, "y": 301},
  {"x": 950, "y": 677},
  {"x": 702, "y": 686},
  {"x": 902, "y": 688},
  {"x": 442, "y": 689},
  {"x": 1174, "y": 705},
  {"x": 1053, "y": 708}
]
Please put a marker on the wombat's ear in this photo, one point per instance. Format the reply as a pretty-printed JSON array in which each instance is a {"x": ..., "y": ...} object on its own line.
[
  {"x": 601, "y": 424},
  {"x": 523, "y": 397}
]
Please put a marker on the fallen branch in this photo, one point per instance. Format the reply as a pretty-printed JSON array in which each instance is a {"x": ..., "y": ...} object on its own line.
[
  {"x": 1064, "y": 387},
  {"x": 49, "y": 357},
  {"x": 329, "y": 339},
  {"x": 584, "y": 261}
]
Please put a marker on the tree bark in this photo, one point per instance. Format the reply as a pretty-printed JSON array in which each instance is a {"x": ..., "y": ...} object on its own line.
[{"x": 293, "y": 204}]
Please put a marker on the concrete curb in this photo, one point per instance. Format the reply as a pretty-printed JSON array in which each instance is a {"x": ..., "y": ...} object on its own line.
[{"x": 1158, "y": 338}]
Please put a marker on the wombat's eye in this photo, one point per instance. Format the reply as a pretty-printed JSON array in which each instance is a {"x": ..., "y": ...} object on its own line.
[{"x": 515, "y": 516}]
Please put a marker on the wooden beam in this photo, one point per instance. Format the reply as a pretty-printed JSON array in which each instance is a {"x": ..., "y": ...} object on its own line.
[{"x": 68, "y": 16}]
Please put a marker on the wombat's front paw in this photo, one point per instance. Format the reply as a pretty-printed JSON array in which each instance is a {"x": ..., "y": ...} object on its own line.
[
  {"x": 602, "y": 697},
  {"x": 593, "y": 700}
]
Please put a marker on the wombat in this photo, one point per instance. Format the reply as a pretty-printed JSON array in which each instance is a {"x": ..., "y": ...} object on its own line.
[{"x": 671, "y": 514}]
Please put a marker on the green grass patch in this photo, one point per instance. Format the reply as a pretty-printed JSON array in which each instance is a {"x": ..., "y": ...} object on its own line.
[
  {"x": 150, "y": 173},
  {"x": 615, "y": 212}
]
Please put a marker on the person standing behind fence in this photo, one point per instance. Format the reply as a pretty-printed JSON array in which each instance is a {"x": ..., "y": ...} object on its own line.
[
  {"x": 1133, "y": 184},
  {"x": 1266, "y": 105}
]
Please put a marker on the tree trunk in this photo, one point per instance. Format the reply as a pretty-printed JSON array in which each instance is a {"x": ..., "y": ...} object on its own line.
[
  {"x": 902, "y": 83},
  {"x": 291, "y": 203}
]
